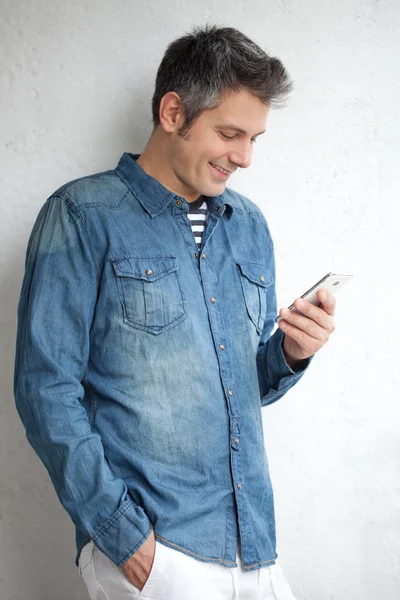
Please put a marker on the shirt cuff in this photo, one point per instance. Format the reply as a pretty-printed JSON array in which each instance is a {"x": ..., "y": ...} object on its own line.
[
  {"x": 283, "y": 377},
  {"x": 123, "y": 533},
  {"x": 302, "y": 364}
]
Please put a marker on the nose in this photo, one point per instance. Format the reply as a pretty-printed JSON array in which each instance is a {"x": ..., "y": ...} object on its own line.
[{"x": 241, "y": 155}]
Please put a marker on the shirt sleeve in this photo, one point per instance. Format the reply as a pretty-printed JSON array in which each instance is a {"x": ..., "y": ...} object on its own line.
[
  {"x": 55, "y": 312},
  {"x": 275, "y": 376}
]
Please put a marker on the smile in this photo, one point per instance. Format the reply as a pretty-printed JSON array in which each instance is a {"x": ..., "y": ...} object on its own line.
[{"x": 220, "y": 170}]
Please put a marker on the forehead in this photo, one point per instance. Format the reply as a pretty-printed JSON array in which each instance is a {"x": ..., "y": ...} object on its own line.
[{"x": 242, "y": 109}]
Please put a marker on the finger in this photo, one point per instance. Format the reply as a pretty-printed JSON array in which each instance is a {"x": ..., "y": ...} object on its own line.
[
  {"x": 305, "y": 324},
  {"x": 327, "y": 300},
  {"x": 317, "y": 314},
  {"x": 305, "y": 341}
]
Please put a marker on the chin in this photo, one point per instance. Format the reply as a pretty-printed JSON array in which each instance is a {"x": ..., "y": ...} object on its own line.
[{"x": 213, "y": 189}]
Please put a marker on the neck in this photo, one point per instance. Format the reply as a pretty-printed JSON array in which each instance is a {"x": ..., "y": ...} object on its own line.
[{"x": 154, "y": 160}]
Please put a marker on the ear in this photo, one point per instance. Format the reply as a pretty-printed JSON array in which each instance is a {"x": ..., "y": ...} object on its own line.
[{"x": 171, "y": 112}]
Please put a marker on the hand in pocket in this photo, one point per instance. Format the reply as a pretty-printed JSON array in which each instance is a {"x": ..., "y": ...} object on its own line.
[{"x": 138, "y": 567}]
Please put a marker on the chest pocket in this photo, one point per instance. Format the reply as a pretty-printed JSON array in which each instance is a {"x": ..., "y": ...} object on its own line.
[
  {"x": 150, "y": 292},
  {"x": 255, "y": 280}
]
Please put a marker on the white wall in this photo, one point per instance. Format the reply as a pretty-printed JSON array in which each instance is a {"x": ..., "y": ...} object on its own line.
[{"x": 76, "y": 82}]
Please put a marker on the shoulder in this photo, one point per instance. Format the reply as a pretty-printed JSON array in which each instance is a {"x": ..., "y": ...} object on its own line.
[
  {"x": 241, "y": 204},
  {"x": 245, "y": 207},
  {"x": 247, "y": 214},
  {"x": 99, "y": 189}
]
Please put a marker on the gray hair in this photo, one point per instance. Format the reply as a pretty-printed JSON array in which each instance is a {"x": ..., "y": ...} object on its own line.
[{"x": 210, "y": 61}]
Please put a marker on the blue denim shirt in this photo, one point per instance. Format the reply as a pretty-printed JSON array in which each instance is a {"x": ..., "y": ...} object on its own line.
[{"x": 142, "y": 365}]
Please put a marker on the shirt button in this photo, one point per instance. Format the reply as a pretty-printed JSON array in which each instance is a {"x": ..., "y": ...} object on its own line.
[
  {"x": 239, "y": 486},
  {"x": 230, "y": 392},
  {"x": 196, "y": 255},
  {"x": 178, "y": 202},
  {"x": 222, "y": 347},
  {"x": 149, "y": 272},
  {"x": 236, "y": 442},
  {"x": 262, "y": 278},
  {"x": 212, "y": 299},
  {"x": 203, "y": 256}
]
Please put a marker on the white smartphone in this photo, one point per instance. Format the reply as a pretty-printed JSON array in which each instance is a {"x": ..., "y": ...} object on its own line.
[{"x": 332, "y": 282}]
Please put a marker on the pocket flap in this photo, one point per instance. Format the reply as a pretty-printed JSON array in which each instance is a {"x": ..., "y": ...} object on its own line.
[
  {"x": 147, "y": 268},
  {"x": 256, "y": 273}
]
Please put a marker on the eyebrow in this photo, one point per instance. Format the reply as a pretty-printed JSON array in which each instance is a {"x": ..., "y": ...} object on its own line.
[{"x": 238, "y": 129}]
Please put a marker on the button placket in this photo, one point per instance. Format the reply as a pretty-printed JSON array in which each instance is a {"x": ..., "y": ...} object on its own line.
[
  {"x": 235, "y": 443},
  {"x": 235, "y": 433},
  {"x": 183, "y": 222},
  {"x": 217, "y": 328}
]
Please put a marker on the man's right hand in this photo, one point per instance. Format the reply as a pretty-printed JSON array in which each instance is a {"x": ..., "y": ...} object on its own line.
[{"x": 138, "y": 567}]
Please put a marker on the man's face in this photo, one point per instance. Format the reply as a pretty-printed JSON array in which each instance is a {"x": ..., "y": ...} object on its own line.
[{"x": 221, "y": 138}]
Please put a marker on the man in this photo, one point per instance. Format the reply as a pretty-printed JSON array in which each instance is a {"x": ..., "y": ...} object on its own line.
[{"x": 144, "y": 346}]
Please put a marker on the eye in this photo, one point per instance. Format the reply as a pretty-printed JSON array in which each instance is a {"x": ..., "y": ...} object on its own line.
[{"x": 232, "y": 137}]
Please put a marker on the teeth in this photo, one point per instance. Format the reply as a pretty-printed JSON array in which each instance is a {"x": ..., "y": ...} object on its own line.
[{"x": 220, "y": 169}]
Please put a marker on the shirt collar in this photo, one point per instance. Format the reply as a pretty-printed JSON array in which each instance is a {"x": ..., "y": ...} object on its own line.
[{"x": 152, "y": 195}]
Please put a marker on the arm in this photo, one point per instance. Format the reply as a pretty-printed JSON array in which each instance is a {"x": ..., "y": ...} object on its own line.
[
  {"x": 55, "y": 312},
  {"x": 277, "y": 372}
]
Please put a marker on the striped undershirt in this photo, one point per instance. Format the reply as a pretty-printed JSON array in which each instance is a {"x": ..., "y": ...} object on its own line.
[{"x": 197, "y": 214}]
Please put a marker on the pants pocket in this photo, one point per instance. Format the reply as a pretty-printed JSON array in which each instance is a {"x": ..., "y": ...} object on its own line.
[
  {"x": 152, "y": 584},
  {"x": 106, "y": 581},
  {"x": 85, "y": 557},
  {"x": 87, "y": 571}
]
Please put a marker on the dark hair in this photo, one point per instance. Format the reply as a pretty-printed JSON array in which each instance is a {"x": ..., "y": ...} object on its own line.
[{"x": 210, "y": 61}]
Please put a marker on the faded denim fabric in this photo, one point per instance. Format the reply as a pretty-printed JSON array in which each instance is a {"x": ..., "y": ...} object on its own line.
[{"x": 142, "y": 365}]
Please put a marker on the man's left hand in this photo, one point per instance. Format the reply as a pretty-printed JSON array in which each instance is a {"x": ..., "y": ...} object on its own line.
[{"x": 305, "y": 334}]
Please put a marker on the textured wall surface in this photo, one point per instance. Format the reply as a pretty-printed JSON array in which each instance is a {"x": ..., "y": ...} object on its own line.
[{"x": 76, "y": 79}]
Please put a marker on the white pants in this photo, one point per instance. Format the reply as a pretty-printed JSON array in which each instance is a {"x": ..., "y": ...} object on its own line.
[{"x": 177, "y": 576}]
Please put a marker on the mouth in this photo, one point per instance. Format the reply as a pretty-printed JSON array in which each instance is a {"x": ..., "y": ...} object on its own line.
[{"x": 220, "y": 171}]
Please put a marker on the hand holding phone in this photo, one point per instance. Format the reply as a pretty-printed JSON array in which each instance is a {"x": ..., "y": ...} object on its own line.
[{"x": 331, "y": 282}]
